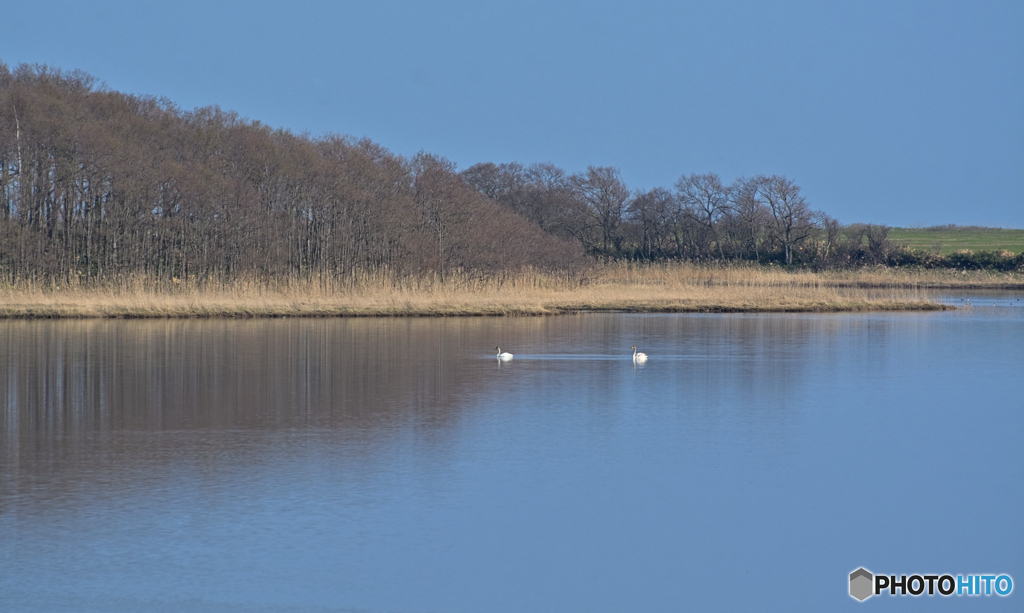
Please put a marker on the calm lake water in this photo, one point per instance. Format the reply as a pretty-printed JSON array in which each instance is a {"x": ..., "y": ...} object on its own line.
[{"x": 395, "y": 465}]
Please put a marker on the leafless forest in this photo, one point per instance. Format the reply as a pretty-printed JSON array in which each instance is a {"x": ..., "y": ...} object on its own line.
[{"x": 98, "y": 185}]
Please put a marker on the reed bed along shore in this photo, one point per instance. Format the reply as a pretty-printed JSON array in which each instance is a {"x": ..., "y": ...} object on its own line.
[{"x": 669, "y": 288}]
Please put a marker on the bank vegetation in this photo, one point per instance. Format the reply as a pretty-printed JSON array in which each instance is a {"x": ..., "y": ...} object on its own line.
[
  {"x": 117, "y": 204},
  {"x": 623, "y": 287}
]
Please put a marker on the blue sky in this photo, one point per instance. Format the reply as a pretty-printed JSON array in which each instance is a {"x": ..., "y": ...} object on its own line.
[{"x": 903, "y": 113}]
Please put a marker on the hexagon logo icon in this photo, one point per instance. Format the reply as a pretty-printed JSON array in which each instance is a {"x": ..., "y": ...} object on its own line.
[{"x": 861, "y": 584}]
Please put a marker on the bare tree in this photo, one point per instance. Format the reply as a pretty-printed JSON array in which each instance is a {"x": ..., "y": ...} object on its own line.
[
  {"x": 879, "y": 245},
  {"x": 549, "y": 197},
  {"x": 704, "y": 197},
  {"x": 438, "y": 202},
  {"x": 505, "y": 183},
  {"x": 830, "y": 232},
  {"x": 605, "y": 196},
  {"x": 792, "y": 218},
  {"x": 653, "y": 211},
  {"x": 748, "y": 215}
]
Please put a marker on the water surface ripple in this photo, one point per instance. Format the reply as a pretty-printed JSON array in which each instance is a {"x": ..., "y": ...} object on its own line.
[{"x": 395, "y": 465}]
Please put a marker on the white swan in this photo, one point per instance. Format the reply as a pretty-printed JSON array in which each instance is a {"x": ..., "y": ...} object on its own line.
[
  {"x": 503, "y": 355},
  {"x": 638, "y": 357}
]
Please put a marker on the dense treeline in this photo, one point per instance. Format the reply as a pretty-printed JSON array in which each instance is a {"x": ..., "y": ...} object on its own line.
[
  {"x": 761, "y": 219},
  {"x": 96, "y": 185}
]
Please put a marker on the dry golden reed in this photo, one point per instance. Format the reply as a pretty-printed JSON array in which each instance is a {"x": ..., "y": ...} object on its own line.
[{"x": 678, "y": 287}]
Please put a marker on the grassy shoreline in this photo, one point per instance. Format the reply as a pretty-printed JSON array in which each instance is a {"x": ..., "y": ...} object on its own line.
[
  {"x": 669, "y": 288},
  {"x": 250, "y": 311}
]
